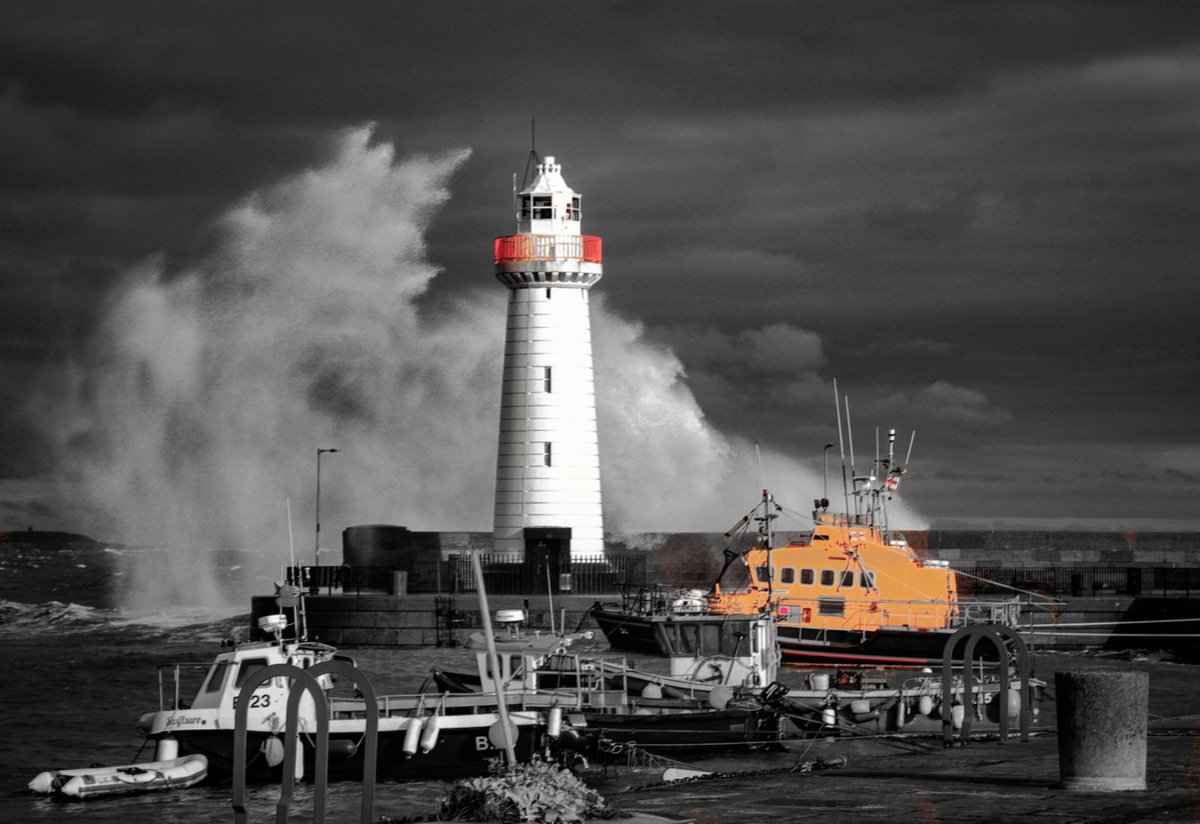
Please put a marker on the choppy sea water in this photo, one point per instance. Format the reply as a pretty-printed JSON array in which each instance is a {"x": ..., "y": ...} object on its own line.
[{"x": 80, "y": 671}]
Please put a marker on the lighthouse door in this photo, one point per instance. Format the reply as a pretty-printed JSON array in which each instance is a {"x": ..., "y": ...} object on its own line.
[{"x": 547, "y": 552}]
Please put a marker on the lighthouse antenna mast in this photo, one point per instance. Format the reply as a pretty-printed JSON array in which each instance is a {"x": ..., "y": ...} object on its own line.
[{"x": 534, "y": 158}]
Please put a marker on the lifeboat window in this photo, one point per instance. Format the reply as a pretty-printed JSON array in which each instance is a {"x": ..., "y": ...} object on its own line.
[
  {"x": 763, "y": 573},
  {"x": 807, "y": 576},
  {"x": 787, "y": 575},
  {"x": 848, "y": 578},
  {"x": 216, "y": 677},
  {"x": 688, "y": 639},
  {"x": 828, "y": 576},
  {"x": 868, "y": 580},
  {"x": 248, "y": 666},
  {"x": 820, "y": 537}
]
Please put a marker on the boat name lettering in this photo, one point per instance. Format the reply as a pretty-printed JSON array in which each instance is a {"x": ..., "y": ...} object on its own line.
[
  {"x": 181, "y": 720},
  {"x": 482, "y": 743}
]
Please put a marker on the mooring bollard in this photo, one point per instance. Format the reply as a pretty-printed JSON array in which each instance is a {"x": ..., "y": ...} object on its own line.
[{"x": 1102, "y": 722}]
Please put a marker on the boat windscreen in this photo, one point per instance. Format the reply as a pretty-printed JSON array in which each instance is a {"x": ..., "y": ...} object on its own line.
[
  {"x": 216, "y": 677},
  {"x": 248, "y": 666},
  {"x": 707, "y": 638}
]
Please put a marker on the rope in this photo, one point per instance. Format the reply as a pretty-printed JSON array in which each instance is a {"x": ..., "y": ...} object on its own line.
[
  {"x": 1006, "y": 586},
  {"x": 1130, "y": 623},
  {"x": 1114, "y": 635}
]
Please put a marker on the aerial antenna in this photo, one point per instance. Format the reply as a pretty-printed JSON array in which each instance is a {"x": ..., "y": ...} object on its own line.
[
  {"x": 762, "y": 482},
  {"x": 886, "y": 487},
  {"x": 837, "y": 405},
  {"x": 291, "y": 545},
  {"x": 853, "y": 470}
]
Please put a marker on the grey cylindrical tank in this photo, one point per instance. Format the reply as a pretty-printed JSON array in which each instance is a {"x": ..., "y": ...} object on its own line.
[{"x": 1102, "y": 726}]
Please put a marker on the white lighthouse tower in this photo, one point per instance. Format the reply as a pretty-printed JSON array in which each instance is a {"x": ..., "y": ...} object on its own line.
[{"x": 548, "y": 466}]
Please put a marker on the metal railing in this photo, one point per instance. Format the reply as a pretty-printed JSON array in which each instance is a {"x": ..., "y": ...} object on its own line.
[
  {"x": 587, "y": 248},
  {"x": 1081, "y": 581}
]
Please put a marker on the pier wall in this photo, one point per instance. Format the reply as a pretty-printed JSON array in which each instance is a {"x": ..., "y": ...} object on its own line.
[{"x": 694, "y": 559}]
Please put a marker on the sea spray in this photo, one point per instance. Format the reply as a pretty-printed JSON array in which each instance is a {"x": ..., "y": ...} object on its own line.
[{"x": 200, "y": 403}]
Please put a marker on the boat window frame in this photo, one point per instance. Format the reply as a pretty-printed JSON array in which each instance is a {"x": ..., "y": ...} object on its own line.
[
  {"x": 216, "y": 677},
  {"x": 247, "y": 666},
  {"x": 542, "y": 207},
  {"x": 867, "y": 579},
  {"x": 828, "y": 577},
  {"x": 809, "y": 573},
  {"x": 787, "y": 575},
  {"x": 846, "y": 580}
]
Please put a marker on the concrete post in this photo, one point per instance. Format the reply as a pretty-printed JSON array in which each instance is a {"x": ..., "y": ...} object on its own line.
[{"x": 1102, "y": 724}]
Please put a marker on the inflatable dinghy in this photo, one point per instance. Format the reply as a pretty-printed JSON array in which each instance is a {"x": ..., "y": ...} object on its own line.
[{"x": 171, "y": 774}]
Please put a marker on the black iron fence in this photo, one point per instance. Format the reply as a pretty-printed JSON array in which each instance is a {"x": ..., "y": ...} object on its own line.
[
  {"x": 1080, "y": 581},
  {"x": 608, "y": 574},
  {"x": 345, "y": 579},
  {"x": 588, "y": 575}
]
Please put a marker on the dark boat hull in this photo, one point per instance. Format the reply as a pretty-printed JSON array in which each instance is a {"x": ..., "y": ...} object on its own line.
[
  {"x": 897, "y": 647},
  {"x": 881, "y": 648},
  {"x": 662, "y": 726},
  {"x": 458, "y": 753},
  {"x": 610, "y": 737}
]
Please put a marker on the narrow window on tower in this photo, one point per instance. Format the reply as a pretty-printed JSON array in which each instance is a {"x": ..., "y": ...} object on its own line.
[
  {"x": 546, "y": 380},
  {"x": 548, "y": 454},
  {"x": 547, "y": 294}
]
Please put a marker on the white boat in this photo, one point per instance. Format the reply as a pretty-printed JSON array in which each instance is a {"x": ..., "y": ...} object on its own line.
[
  {"x": 91, "y": 782},
  {"x": 419, "y": 736},
  {"x": 515, "y": 637}
]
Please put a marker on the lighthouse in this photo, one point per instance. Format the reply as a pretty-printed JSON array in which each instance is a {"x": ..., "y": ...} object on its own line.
[{"x": 548, "y": 462}]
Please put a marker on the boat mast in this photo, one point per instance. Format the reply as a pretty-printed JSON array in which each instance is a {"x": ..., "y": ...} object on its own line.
[{"x": 764, "y": 533}]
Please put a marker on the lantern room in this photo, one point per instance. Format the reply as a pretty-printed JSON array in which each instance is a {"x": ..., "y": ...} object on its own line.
[{"x": 548, "y": 205}]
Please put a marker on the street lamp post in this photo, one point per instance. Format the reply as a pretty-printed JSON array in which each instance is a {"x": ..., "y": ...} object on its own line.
[{"x": 317, "y": 547}]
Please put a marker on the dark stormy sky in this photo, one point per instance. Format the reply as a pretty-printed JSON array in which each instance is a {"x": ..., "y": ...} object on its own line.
[{"x": 979, "y": 218}]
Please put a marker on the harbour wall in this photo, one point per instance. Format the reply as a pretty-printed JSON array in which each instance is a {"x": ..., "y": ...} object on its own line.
[
  {"x": 427, "y": 611},
  {"x": 687, "y": 558}
]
